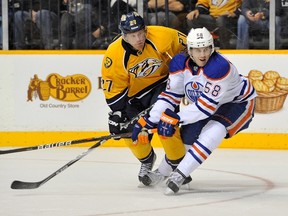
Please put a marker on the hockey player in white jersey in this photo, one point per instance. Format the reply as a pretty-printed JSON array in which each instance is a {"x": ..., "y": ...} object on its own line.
[{"x": 219, "y": 103}]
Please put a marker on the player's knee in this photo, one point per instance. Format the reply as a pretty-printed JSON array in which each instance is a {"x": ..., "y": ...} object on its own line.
[{"x": 212, "y": 134}]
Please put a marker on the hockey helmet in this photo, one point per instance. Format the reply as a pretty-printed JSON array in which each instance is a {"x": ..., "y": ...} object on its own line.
[
  {"x": 199, "y": 37},
  {"x": 131, "y": 22}
]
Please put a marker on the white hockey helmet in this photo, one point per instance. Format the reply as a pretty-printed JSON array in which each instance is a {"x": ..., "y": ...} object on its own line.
[{"x": 200, "y": 37}]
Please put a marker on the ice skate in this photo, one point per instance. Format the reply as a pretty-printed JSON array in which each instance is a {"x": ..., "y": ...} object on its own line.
[
  {"x": 145, "y": 168},
  {"x": 153, "y": 178},
  {"x": 175, "y": 180}
]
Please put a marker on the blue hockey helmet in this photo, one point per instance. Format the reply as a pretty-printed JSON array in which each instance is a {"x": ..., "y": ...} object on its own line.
[{"x": 131, "y": 22}]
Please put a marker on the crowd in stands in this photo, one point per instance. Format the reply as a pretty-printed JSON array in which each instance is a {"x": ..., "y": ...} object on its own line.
[{"x": 92, "y": 24}]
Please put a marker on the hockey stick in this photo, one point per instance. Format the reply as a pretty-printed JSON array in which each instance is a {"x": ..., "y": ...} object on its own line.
[
  {"x": 79, "y": 141},
  {"x": 32, "y": 185},
  {"x": 65, "y": 143}
]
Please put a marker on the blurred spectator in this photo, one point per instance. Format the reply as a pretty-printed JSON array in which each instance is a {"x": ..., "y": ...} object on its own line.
[
  {"x": 156, "y": 14},
  {"x": 80, "y": 25},
  {"x": 118, "y": 8},
  {"x": 111, "y": 19},
  {"x": 1, "y": 33},
  {"x": 32, "y": 18},
  {"x": 283, "y": 7},
  {"x": 219, "y": 17},
  {"x": 255, "y": 17}
]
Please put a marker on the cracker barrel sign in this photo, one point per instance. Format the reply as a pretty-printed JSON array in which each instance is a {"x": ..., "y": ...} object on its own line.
[{"x": 70, "y": 88}]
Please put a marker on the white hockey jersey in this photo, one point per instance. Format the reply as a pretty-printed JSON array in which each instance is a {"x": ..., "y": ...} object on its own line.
[{"x": 204, "y": 88}]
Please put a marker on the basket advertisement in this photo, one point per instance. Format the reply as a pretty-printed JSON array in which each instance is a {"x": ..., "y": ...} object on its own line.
[{"x": 271, "y": 88}]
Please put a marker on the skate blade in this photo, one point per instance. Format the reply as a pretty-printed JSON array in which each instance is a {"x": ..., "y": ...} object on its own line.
[
  {"x": 169, "y": 192},
  {"x": 186, "y": 186},
  {"x": 141, "y": 185},
  {"x": 158, "y": 183}
]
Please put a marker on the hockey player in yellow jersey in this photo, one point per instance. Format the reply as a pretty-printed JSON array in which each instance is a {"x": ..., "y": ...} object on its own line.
[{"x": 134, "y": 71}]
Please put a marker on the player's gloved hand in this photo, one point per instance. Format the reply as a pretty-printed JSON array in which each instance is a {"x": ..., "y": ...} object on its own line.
[
  {"x": 115, "y": 121},
  {"x": 168, "y": 121},
  {"x": 140, "y": 130}
]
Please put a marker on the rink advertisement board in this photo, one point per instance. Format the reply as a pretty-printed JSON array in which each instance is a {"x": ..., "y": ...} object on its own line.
[{"x": 51, "y": 96}]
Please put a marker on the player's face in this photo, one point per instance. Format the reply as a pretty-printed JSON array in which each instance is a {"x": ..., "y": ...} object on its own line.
[
  {"x": 136, "y": 39},
  {"x": 200, "y": 55}
]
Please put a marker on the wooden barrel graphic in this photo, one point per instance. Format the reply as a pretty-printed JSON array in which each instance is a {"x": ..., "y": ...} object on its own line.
[{"x": 43, "y": 90}]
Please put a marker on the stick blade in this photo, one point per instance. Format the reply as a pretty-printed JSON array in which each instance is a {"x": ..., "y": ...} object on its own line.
[{"x": 25, "y": 185}]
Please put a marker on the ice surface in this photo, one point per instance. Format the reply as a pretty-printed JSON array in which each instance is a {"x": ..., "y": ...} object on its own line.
[{"x": 231, "y": 182}]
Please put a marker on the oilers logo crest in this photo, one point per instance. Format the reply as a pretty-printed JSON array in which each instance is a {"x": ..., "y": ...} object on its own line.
[
  {"x": 193, "y": 90},
  {"x": 145, "y": 68}
]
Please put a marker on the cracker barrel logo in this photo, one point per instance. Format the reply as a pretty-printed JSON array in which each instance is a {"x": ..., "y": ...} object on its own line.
[{"x": 70, "y": 88}]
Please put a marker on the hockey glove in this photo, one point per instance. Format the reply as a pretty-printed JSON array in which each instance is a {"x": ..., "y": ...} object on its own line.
[
  {"x": 168, "y": 121},
  {"x": 116, "y": 119},
  {"x": 140, "y": 130}
]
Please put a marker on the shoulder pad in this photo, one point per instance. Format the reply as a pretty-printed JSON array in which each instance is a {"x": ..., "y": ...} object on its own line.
[
  {"x": 178, "y": 62},
  {"x": 217, "y": 66}
]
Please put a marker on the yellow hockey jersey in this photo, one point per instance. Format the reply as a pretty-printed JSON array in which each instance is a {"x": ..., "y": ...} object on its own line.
[
  {"x": 220, "y": 7},
  {"x": 127, "y": 73}
]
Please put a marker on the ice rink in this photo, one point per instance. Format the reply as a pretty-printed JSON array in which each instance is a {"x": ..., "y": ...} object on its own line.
[{"x": 231, "y": 182}]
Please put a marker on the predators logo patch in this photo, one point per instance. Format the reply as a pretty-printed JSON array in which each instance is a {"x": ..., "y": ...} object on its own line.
[
  {"x": 145, "y": 68},
  {"x": 108, "y": 62}
]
